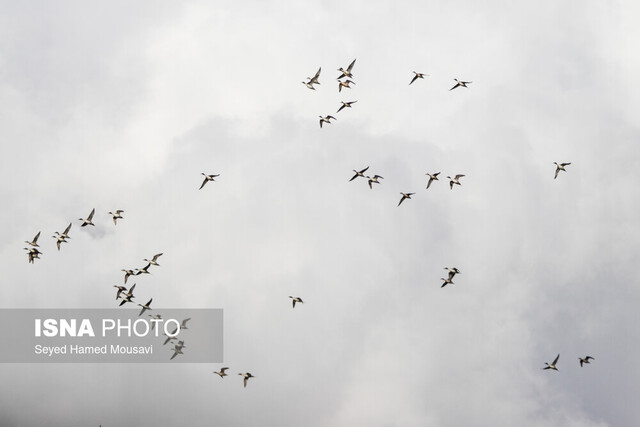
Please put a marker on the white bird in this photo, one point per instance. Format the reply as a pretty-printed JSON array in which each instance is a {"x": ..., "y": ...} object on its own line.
[
  {"x": 126, "y": 296},
  {"x": 177, "y": 349},
  {"x": 405, "y": 196},
  {"x": 246, "y": 378},
  {"x": 222, "y": 372},
  {"x": 154, "y": 259},
  {"x": 295, "y": 300},
  {"x": 460, "y": 83},
  {"x": 347, "y": 72},
  {"x": 326, "y": 119},
  {"x": 374, "y": 180},
  {"x": 345, "y": 104},
  {"x": 417, "y": 76},
  {"x": 585, "y": 360},
  {"x": 359, "y": 173},
  {"x": 145, "y": 307},
  {"x": 560, "y": 167},
  {"x": 432, "y": 177},
  {"x": 34, "y": 242},
  {"x": 65, "y": 234},
  {"x": 59, "y": 239},
  {"x": 447, "y": 281},
  {"x": 552, "y": 365},
  {"x": 87, "y": 221},
  {"x": 116, "y": 216},
  {"x": 455, "y": 180},
  {"x": 128, "y": 273},
  {"x": 121, "y": 289},
  {"x": 207, "y": 178}
]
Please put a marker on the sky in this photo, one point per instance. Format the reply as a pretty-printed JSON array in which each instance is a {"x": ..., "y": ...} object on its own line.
[{"x": 123, "y": 106}]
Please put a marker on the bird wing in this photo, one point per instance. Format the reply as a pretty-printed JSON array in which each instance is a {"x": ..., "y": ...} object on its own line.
[
  {"x": 203, "y": 183},
  {"x": 429, "y": 183},
  {"x": 364, "y": 170},
  {"x": 35, "y": 239},
  {"x": 340, "y": 109},
  {"x": 451, "y": 184},
  {"x": 413, "y": 79},
  {"x": 350, "y": 67},
  {"x": 67, "y": 229},
  {"x": 556, "y": 361},
  {"x": 459, "y": 176},
  {"x": 564, "y": 164},
  {"x": 401, "y": 200},
  {"x": 58, "y": 244},
  {"x": 317, "y": 75},
  {"x": 556, "y": 175},
  {"x": 184, "y": 322},
  {"x": 90, "y": 217},
  {"x": 457, "y": 84}
]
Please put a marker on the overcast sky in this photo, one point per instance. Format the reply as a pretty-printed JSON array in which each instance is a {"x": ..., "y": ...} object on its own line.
[{"x": 120, "y": 105}]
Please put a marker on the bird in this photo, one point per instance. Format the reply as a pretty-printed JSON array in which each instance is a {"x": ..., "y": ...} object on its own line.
[
  {"x": 121, "y": 289},
  {"x": 222, "y": 372},
  {"x": 183, "y": 325},
  {"x": 374, "y": 179},
  {"x": 314, "y": 80},
  {"x": 154, "y": 317},
  {"x": 452, "y": 271},
  {"x": 295, "y": 300},
  {"x": 145, "y": 270},
  {"x": 326, "y": 119},
  {"x": 177, "y": 349},
  {"x": 417, "y": 76},
  {"x": 172, "y": 336},
  {"x": 560, "y": 167},
  {"x": 34, "y": 242},
  {"x": 347, "y": 72},
  {"x": 309, "y": 85},
  {"x": 432, "y": 177},
  {"x": 153, "y": 260},
  {"x": 345, "y": 83},
  {"x": 455, "y": 180},
  {"x": 405, "y": 196},
  {"x": 147, "y": 306},
  {"x": 246, "y": 378},
  {"x": 126, "y": 298},
  {"x": 32, "y": 254},
  {"x": 59, "y": 239},
  {"x": 128, "y": 273},
  {"x": 345, "y": 104},
  {"x": 87, "y": 221},
  {"x": 552, "y": 365},
  {"x": 65, "y": 234},
  {"x": 460, "y": 83},
  {"x": 207, "y": 178},
  {"x": 447, "y": 281},
  {"x": 585, "y": 360},
  {"x": 116, "y": 216},
  {"x": 359, "y": 173}
]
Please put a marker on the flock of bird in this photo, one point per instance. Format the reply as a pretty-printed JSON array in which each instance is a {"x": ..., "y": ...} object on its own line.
[{"x": 344, "y": 81}]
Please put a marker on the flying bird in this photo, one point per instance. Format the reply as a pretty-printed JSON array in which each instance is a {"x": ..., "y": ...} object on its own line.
[
  {"x": 347, "y": 72},
  {"x": 345, "y": 104},
  {"x": 359, "y": 173},
  {"x": 222, "y": 372},
  {"x": 87, "y": 221},
  {"x": 374, "y": 180},
  {"x": 246, "y": 378},
  {"x": 207, "y": 178},
  {"x": 455, "y": 180},
  {"x": 121, "y": 289},
  {"x": 145, "y": 270},
  {"x": 417, "y": 76},
  {"x": 128, "y": 273},
  {"x": 295, "y": 300},
  {"x": 405, "y": 196},
  {"x": 154, "y": 259},
  {"x": 145, "y": 307},
  {"x": 183, "y": 325},
  {"x": 342, "y": 84},
  {"x": 452, "y": 271},
  {"x": 585, "y": 360},
  {"x": 314, "y": 80},
  {"x": 560, "y": 167},
  {"x": 552, "y": 365},
  {"x": 59, "y": 239},
  {"x": 116, "y": 216},
  {"x": 447, "y": 281},
  {"x": 432, "y": 177},
  {"x": 460, "y": 83},
  {"x": 34, "y": 242},
  {"x": 326, "y": 119}
]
